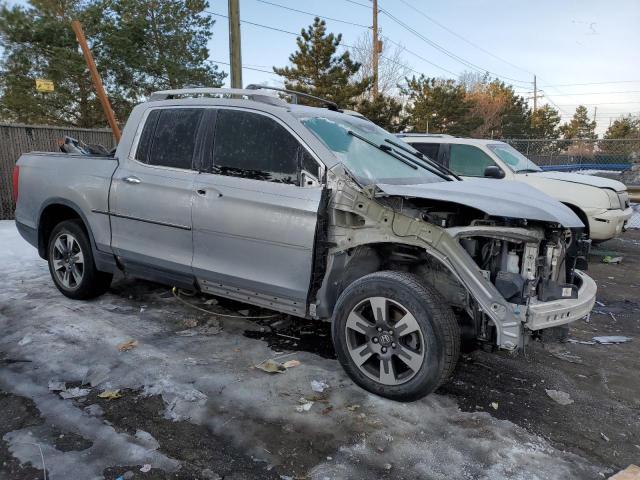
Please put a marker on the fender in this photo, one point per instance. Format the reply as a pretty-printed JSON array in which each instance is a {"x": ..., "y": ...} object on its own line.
[{"x": 105, "y": 261}]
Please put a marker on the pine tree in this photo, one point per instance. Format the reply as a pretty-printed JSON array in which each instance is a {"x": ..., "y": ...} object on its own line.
[
  {"x": 544, "y": 123},
  {"x": 139, "y": 46},
  {"x": 439, "y": 106},
  {"x": 579, "y": 127},
  {"x": 318, "y": 70},
  {"x": 384, "y": 111}
]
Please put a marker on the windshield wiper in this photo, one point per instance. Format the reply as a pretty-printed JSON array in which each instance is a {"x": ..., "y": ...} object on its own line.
[
  {"x": 527, "y": 170},
  {"x": 425, "y": 159},
  {"x": 384, "y": 148}
]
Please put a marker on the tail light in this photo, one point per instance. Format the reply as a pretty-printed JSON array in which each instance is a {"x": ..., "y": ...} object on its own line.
[{"x": 16, "y": 178}]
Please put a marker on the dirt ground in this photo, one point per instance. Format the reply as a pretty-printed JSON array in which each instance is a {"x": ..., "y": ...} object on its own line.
[{"x": 194, "y": 406}]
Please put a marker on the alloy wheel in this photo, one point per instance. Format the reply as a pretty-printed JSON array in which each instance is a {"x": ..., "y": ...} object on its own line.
[{"x": 385, "y": 340}]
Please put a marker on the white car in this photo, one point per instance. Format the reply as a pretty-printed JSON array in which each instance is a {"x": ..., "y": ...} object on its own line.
[{"x": 601, "y": 203}]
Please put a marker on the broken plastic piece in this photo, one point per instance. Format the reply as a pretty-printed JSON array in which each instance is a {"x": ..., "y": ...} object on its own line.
[
  {"x": 75, "y": 392},
  {"x": 611, "y": 339},
  {"x": 145, "y": 468},
  {"x": 610, "y": 259},
  {"x": 318, "y": 386},
  {"x": 560, "y": 397}
]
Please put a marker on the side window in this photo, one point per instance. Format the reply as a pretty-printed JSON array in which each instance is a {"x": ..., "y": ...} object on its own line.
[
  {"x": 468, "y": 160},
  {"x": 173, "y": 140},
  {"x": 250, "y": 145},
  {"x": 428, "y": 149},
  {"x": 146, "y": 138}
]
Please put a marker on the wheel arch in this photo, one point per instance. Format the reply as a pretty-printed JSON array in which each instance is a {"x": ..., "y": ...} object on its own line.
[
  {"x": 346, "y": 266},
  {"x": 54, "y": 211}
]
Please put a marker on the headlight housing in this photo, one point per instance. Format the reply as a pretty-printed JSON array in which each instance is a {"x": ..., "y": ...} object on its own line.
[{"x": 614, "y": 200}]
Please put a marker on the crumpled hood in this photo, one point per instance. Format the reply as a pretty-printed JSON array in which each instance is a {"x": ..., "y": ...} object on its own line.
[
  {"x": 494, "y": 197},
  {"x": 594, "y": 181}
]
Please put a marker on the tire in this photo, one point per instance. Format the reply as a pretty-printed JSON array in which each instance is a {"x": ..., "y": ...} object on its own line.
[
  {"x": 75, "y": 274},
  {"x": 395, "y": 363}
]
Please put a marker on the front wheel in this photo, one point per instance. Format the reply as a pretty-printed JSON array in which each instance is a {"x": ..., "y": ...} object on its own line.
[
  {"x": 395, "y": 336},
  {"x": 71, "y": 262}
]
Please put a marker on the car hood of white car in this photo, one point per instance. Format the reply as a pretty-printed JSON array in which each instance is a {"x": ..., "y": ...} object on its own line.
[
  {"x": 591, "y": 180},
  {"x": 494, "y": 197}
]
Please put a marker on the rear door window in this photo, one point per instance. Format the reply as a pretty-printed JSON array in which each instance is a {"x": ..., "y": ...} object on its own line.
[
  {"x": 428, "y": 149},
  {"x": 251, "y": 145},
  {"x": 467, "y": 160},
  {"x": 169, "y": 137}
]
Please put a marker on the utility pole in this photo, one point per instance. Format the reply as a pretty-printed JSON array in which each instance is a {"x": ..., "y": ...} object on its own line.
[
  {"x": 535, "y": 101},
  {"x": 235, "y": 59},
  {"x": 376, "y": 48},
  {"x": 97, "y": 81}
]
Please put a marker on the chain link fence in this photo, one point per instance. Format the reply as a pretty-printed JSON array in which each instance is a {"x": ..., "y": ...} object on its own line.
[
  {"x": 566, "y": 155},
  {"x": 18, "y": 139}
]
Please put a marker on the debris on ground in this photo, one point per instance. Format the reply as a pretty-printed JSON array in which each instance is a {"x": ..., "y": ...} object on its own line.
[
  {"x": 271, "y": 366},
  {"x": 604, "y": 437},
  {"x": 560, "y": 397},
  {"x": 190, "y": 322},
  {"x": 610, "y": 259},
  {"x": 55, "y": 386},
  {"x": 318, "y": 386},
  {"x": 353, "y": 408},
  {"x": 75, "y": 392},
  {"x": 110, "y": 394},
  {"x": 568, "y": 357},
  {"x": 145, "y": 468},
  {"x": 611, "y": 339},
  {"x": 305, "y": 405},
  {"x": 581, "y": 342},
  {"x": 128, "y": 345},
  {"x": 291, "y": 363},
  {"x": 494, "y": 405},
  {"x": 632, "y": 472},
  {"x": 25, "y": 341}
]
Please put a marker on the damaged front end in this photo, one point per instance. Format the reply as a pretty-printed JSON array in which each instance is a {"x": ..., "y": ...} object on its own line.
[{"x": 506, "y": 276}]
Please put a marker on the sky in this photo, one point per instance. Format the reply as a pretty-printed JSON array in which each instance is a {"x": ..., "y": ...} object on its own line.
[{"x": 562, "y": 42}]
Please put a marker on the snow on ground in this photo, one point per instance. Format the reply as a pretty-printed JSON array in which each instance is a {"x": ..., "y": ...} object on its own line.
[{"x": 208, "y": 380}]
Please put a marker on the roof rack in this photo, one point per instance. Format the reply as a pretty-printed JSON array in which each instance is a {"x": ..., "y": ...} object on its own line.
[
  {"x": 435, "y": 135},
  {"x": 294, "y": 95},
  {"x": 251, "y": 94}
]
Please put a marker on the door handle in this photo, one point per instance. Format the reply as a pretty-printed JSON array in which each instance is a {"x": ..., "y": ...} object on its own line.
[
  {"x": 201, "y": 192},
  {"x": 134, "y": 180}
]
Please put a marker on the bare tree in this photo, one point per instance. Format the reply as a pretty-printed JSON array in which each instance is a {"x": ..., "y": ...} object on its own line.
[{"x": 392, "y": 68}]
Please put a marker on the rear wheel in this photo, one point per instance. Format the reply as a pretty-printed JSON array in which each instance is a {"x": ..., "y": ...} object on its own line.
[
  {"x": 71, "y": 262},
  {"x": 395, "y": 336}
]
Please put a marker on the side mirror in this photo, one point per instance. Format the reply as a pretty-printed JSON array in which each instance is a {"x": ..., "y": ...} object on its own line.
[{"x": 492, "y": 171}]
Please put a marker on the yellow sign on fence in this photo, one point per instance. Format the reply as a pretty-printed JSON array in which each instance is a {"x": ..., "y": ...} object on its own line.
[{"x": 43, "y": 85}]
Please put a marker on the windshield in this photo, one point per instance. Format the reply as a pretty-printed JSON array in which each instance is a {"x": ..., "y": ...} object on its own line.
[
  {"x": 513, "y": 158},
  {"x": 366, "y": 162}
]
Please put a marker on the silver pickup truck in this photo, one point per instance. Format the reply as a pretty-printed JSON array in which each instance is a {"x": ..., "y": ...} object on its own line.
[{"x": 315, "y": 213}]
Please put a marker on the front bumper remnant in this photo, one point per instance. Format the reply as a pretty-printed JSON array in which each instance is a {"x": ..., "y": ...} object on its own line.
[{"x": 560, "y": 312}]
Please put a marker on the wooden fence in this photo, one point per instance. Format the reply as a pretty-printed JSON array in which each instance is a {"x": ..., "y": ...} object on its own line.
[{"x": 17, "y": 139}]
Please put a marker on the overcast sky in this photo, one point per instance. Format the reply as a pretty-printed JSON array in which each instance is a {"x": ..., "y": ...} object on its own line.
[{"x": 562, "y": 42}]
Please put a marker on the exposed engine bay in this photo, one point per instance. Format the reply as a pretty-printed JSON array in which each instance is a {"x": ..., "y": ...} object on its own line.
[{"x": 506, "y": 277}]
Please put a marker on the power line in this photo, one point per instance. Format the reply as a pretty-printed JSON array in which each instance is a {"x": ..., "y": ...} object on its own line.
[
  {"x": 447, "y": 52},
  {"x": 314, "y": 14},
  {"x": 255, "y": 24},
  {"x": 455, "y": 34},
  {"x": 590, "y": 83},
  {"x": 598, "y": 104},
  {"x": 418, "y": 56},
  {"x": 594, "y": 93}
]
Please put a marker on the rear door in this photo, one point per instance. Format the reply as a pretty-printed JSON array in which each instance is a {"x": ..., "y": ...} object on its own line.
[
  {"x": 254, "y": 223},
  {"x": 152, "y": 192}
]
